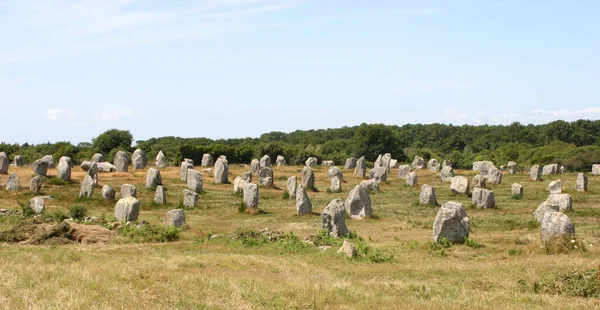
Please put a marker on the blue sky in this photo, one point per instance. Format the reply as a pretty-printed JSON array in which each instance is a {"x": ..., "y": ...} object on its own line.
[{"x": 70, "y": 70}]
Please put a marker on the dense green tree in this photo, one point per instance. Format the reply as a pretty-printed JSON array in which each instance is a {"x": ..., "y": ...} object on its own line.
[{"x": 112, "y": 139}]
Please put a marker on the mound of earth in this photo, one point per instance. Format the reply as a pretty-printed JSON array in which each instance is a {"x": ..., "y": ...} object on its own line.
[{"x": 35, "y": 231}]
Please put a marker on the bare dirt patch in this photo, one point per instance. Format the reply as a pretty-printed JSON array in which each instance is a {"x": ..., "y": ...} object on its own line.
[{"x": 35, "y": 231}]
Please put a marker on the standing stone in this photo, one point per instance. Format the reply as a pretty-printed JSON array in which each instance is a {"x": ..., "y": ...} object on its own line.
[
  {"x": 255, "y": 166},
  {"x": 98, "y": 158},
  {"x": 493, "y": 176},
  {"x": 183, "y": 170},
  {"x": 327, "y": 163},
  {"x": 512, "y": 167},
  {"x": 483, "y": 198},
  {"x": 427, "y": 195},
  {"x": 361, "y": 167},
  {"x": 516, "y": 190},
  {"x": 35, "y": 185},
  {"x": 251, "y": 196},
  {"x": 550, "y": 169},
  {"x": 87, "y": 187},
  {"x": 335, "y": 172},
  {"x": 336, "y": 185},
  {"x": 403, "y": 171},
  {"x": 37, "y": 205},
  {"x": 411, "y": 179},
  {"x": 63, "y": 171},
  {"x": 190, "y": 199},
  {"x": 564, "y": 202},
  {"x": 350, "y": 163},
  {"x": 128, "y": 190},
  {"x": 12, "y": 183},
  {"x": 379, "y": 173},
  {"x": 207, "y": 160},
  {"x": 221, "y": 172},
  {"x": 265, "y": 177},
  {"x": 280, "y": 161},
  {"x": 194, "y": 180},
  {"x": 476, "y": 165},
  {"x": 333, "y": 219},
  {"x": 49, "y": 159},
  {"x": 308, "y": 178},
  {"x": 447, "y": 174},
  {"x": 582, "y": 182},
  {"x": 239, "y": 184},
  {"x": 161, "y": 160},
  {"x": 18, "y": 161},
  {"x": 385, "y": 161},
  {"x": 108, "y": 193},
  {"x": 40, "y": 167},
  {"x": 3, "y": 163},
  {"x": 93, "y": 172},
  {"x": 247, "y": 176},
  {"x": 358, "y": 203},
  {"x": 433, "y": 165},
  {"x": 189, "y": 161},
  {"x": 478, "y": 181},
  {"x": 153, "y": 178},
  {"x": 535, "y": 173},
  {"x": 174, "y": 218},
  {"x": 139, "y": 159},
  {"x": 452, "y": 223},
  {"x": 121, "y": 162},
  {"x": 159, "y": 195},
  {"x": 127, "y": 209},
  {"x": 265, "y": 161},
  {"x": 446, "y": 163},
  {"x": 371, "y": 185},
  {"x": 303, "y": 204},
  {"x": 393, "y": 164},
  {"x": 377, "y": 162},
  {"x": 459, "y": 185},
  {"x": 418, "y": 163},
  {"x": 557, "y": 227},
  {"x": 292, "y": 183},
  {"x": 596, "y": 169},
  {"x": 542, "y": 209},
  {"x": 311, "y": 161},
  {"x": 555, "y": 187},
  {"x": 485, "y": 166}
]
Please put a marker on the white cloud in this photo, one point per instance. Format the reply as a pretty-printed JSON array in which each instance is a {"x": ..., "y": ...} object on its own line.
[
  {"x": 56, "y": 114},
  {"x": 113, "y": 115},
  {"x": 567, "y": 113},
  {"x": 455, "y": 116}
]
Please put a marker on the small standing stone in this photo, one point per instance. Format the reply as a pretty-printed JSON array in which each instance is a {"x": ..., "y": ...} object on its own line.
[
  {"x": 128, "y": 190},
  {"x": 127, "y": 209},
  {"x": 516, "y": 190},
  {"x": 153, "y": 178},
  {"x": 221, "y": 172},
  {"x": 255, "y": 166},
  {"x": 311, "y": 161},
  {"x": 403, "y": 171},
  {"x": 265, "y": 177},
  {"x": 292, "y": 183},
  {"x": 555, "y": 187},
  {"x": 335, "y": 185},
  {"x": 418, "y": 163},
  {"x": 194, "y": 180},
  {"x": 379, "y": 173},
  {"x": 280, "y": 161},
  {"x": 159, "y": 195},
  {"x": 411, "y": 179},
  {"x": 427, "y": 195},
  {"x": 37, "y": 205},
  {"x": 174, "y": 218},
  {"x": 557, "y": 227},
  {"x": 4, "y": 163},
  {"x": 108, "y": 193},
  {"x": 49, "y": 159},
  {"x": 251, "y": 196},
  {"x": 121, "y": 162},
  {"x": 63, "y": 171},
  {"x": 447, "y": 174},
  {"x": 350, "y": 163},
  {"x": 183, "y": 170},
  {"x": 139, "y": 159},
  {"x": 308, "y": 178},
  {"x": 361, "y": 167},
  {"x": 535, "y": 173},
  {"x": 207, "y": 160},
  {"x": 12, "y": 183},
  {"x": 358, "y": 203},
  {"x": 335, "y": 172},
  {"x": 582, "y": 182},
  {"x": 98, "y": 158},
  {"x": 35, "y": 185},
  {"x": 459, "y": 185},
  {"x": 478, "y": 181},
  {"x": 87, "y": 188},
  {"x": 265, "y": 161},
  {"x": 493, "y": 176},
  {"x": 512, "y": 167},
  {"x": 190, "y": 198},
  {"x": 433, "y": 165},
  {"x": 303, "y": 204},
  {"x": 452, "y": 223},
  {"x": 347, "y": 248},
  {"x": 40, "y": 167},
  {"x": 161, "y": 160},
  {"x": 483, "y": 198},
  {"x": 18, "y": 161},
  {"x": 596, "y": 169},
  {"x": 333, "y": 219}
]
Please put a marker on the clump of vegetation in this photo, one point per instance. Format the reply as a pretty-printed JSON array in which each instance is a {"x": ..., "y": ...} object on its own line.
[
  {"x": 241, "y": 207},
  {"x": 564, "y": 245},
  {"x": 575, "y": 283},
  {"x": 149, "y": 233},
  {"x": 77, "y": 212},
  {"x": 472, "y": 243},
  {"x": 364, "y": 252},
  {"x": 56, "y": 181},
  {"x": 26, "y": 209},
  {"x": 286, "y": 195},
  {"x": 517, "y": 197}
]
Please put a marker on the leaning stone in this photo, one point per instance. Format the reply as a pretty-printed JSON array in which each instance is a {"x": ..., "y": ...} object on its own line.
[
  {"x": 265, "y": 177},
  {"x": 478, "y": 181},
  {"x": 459, "y": 185},
  {"x": 139, "y": 159},
  {"x": 333, "y": 219},
  {"x": 393, "y": 164},
  {"x": 403, "y": 171},
  {"x": 427, "y": 195},
  {"x": 153, "y": 178},
  {"x": 174, "y": 218},
  {"x": 335, "y": 172},
  {"x": 555, "y": 187},
  {"x": 350, "y": 163},
  {"x": 280, "y": 161},
  {"x": 379, "y": 173},
  {"x": 87, "y": 188},
  {"x": 63, "y": 171},
  {"x": 303, "y": 204},
  {"x": 582, "y": 182},
  {"x": 542, "y": 209},
  {"x": 37, "y": 205},
  {"x": 183, "y": 170},
  {"x": 255, "y": 166},
  {"x": 93, "y": 172},
  {"x": 516, "y": 190},
  {"x": 121, "y": 162},
  {"x": 386, "y": 160},
  {"x": 159, "y": 195},
  {"x": 512, "y": 167},
  {"x": 483, "y": 198},
  {"x": 265, "y": 162},
  {"x": 335, "y": 185},
  {"x": 535, "y": 173},
  {"x": 207, "y": 160},
  {"x": 35, "y": 185},
  {"x": 128, "y": 190},
  {"x": 485, "y": 166},
  {"x": 127, "y": 209},
  {"x": 358, "y": 203},
  {"x": 493, "y": 176},
  {"x": 557, "y": 227},
  {"x": 564, "y": 202},
  {"x": 49, "y": 159},
  {"x": 371, "y": 185},
  {"x": 361, "y": 167},
  {"x": 418, "y": 163},
  {"x": 221, "y": 172},
  {"x": 433, "y": 165},
  {"x": 447, "y": 174},
  {"x": 12, "y": 183},
  {"x": 308, "y": 178},
  {"x": 311, "y": 161},
  {"x": 452, "y": 223},
  {"x": 40, "y": 167},
  {"x": 4, "y": 163},
  {"x": 292, "y": 183},
  {"x": 347, "y": 249},
  {"x": 194, "y": 180},
  {"x": 251, "y": 196},
  {"x": 161, "y": 160},
  {"x": 411, "y": 179},
  {"x": 108, "y": 193},
  {"x": 190, "y": 198},
  {"x": 98, "y": 158}
]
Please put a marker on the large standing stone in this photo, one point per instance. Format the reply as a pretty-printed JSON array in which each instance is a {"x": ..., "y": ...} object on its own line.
[
  {"x": 452, "y": 223},
  {"x": 207, "y": 160},
  {"x": 350, "y": 163},
  {"x": 377, "y": 162},
  {"x": 127, "y": 209},
  {"x": 63, "y": 171},
  {"x": 542, "y": 209},
  {"x": 433, "y": 165},
  {"x": 483, "y": 198},
  {"x": 557, "y": 227},
  {"x": 255, "y": 166},
  {"x": 159, "y": 195},
  {"x": 333, "y": 219},
  {"x": 161, "y": 160},
  {"x": 412, "y": 179},
  {"x": 12, "y": 183},
  {"x": 87, "y": 187},
  {"x": 280, "y": 161},
  {"x": 128, "y": 190},
  {"x": 335, "y": 172},
  {"x": 308, "y": 178},
  {"x": 478, "y": 181},
  {"x": 183, "y": 170},
  {"x": 379, "y": 173},
  {"x": 512, "y": 167},
  {"x": 393, "y": 164},
  {"x": 98, "y": 158},
  {"x": 371, "y": 185},
  {"x": 427, "y": 195},
  {"x": 476, "y": 165},
  {"x": 194, "y": 180},
  {"x": 493, "y": 176},
  {"x": 485, "y": 166},
  {"x": 239, "y": 184},
  {"x": 292, "y": 183},
  {"x": 265, "y": 177},
  {"x": 564, "y": 202},
  {"x": 361, "y": 167},
  {"x": 174, "y": 218},
  {"x": 4, "y": 163},
  {"x": 403, "y": 171},
  {"x": 93, "y": 172},
  {"x": 190, "y": 198},
  {"x": 37, "y": 205},
  {"x": 265, "y": 162},
  {"x": 596, "y": 169},
  {"x": 40, "y": 167},
  {"x": 358, "y": 203},
  {"x": 311, "y": 161},
  {"x": 385, "y": 161},
  {"x": 459, "y": 185},
  {"x": 303, "y": 204},
  {"x": 335, "y": 185},
  {"x": 535, "y": 173},
  {"x": 516, "y": 190},
  {"x": 251, "y": 196},
  {"x": 153, "y": 178},
  {"x": 550, "y": 169},
  {"x": 447, "y": 174},
  {"x": 49, "y": 159},
  {"x": 108, "y": 193},
  {"x": 35, "y": 184},
  {"x": 139, "y": 159},
  {"x": 555, "y": 187},
  {"x": 582, "y": 182},
  {"x": 221, "y": 172},
  {"x": 418, "y": 163},
  {"x": 121, "y": 162},
  {"x": 18, "y": 161}
]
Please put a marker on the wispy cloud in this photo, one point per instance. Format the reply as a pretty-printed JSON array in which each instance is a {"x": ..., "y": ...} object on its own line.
[
  {"x": 454, "y": 116},
  {"x": 57, "y": 114},
  {"x": 114, "y": 114},
  {"x": 567, "y": 113}
]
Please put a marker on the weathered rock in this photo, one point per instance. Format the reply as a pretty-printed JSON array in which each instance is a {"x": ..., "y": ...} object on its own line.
[
  {"x": 106, "y": 167},
  {"x": 358, "y": 203},
  {"x": 347, "y": 249},
  {"x": 85, "y": 165},
  {"x": 476, "y": 165},
  {"x": 4, "y": 163},
  {"x": 189, "y": 161},
  {"x": 483, "y": 198},
  {"x": 377, "y": 162},
  {"x": 194, "y": 180},
  {"x": 333, "y": 219},
  {"x": 493, "y": 176},
  {"x": 18, "y": 161},
  {"x": 98, "y": 158},
  {"x": 516, "y": 190},
  {"x": 447, "y": 174},
  {"x": 161, "y": 160},
  {"x": 108, "y": 193},
  {"x": 427, "y": 195},
  {"x": 35, "y": 184},
  {"x": 535, "y": 173},
  {"x": 292, "y": 183},
  {"x": 251, "y": 196},
  {"x": 303, "y": 204},
  {"x": 159, "y": 195},
  {"x": 564, "y": 202},
  {"x": 40, "y": 167},
  {"x": 93, "y": 172},
  {"x": 153, "y": 178},
  {"x": 66, "y": 159},
  {"x": 87, "y": 187},
  {"x": 127, "y": 209},
  {"x": 385, "y": 161},
  {"x": 63, "y": 171},
  {"x": 239, "y": 184},
  {"x": 557, "y": 227},
  {"x": 12, "y": 183},
  {"x": 247, "y": 176},
  {"x": 38, "y": 205},
  {"x": 311, "y": 161},
  {"x": 403, "y": 171},
  {"x": 512, "y": 167},
  {"x": 174, "y": 218},
  {"x": 452, "y": 223},
  {"x": 582, "y": 182},
  {"x": 371, "y": 185},
  {"x": 350, "y": 163},
  {"x": 459, "y": 185},
  {"x": 446, "y": 163},
  {"x": 418, "y": 163},
  {"x": 542, "y": 209},
  {"x": 255, "y": 166},
  {"x": 265, "y": 162},
  {"x": 207, "y": 160},
  {"x": 393, "y": 164},
  {"x": 550, "y": 169},
  {"x": 308, "y": 178},
  {"x": 485, "y": 166},
  {"x": 49, "y": 159},
  {"x": 335, "y": 172},
  {"x": 335, "y": 185},
  {"x": 139, "y": 159},
  {"x": 265, "y": 177},
  {"x": 190, "y": 199},
  {"x": 379, "y": 173},
  {"x": 183, "y": 170},
  {"x": 361, "y": 167},
  {"x": 555, "y": 187},
  {"x": 327, "y": 163},
  {"x": 478, "y": 181},
  {"x": 433, "y": 165},
  {"x": 411, "y": 179},
  {"x": 128, "y": 190},
  {"x": 561, "y": 169},
  {"x": 596, "y": 169},
  {"x": 221, "y": 172},
  {"x": 280, "y": 161},
  {"x": 121, "y": 162}
]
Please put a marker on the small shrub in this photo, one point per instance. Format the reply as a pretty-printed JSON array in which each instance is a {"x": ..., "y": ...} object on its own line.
[
  {"x": 26, "y": 209},
  {"x": 575, "y": 283},
  {"x": 58, "y": 216},
  {"x": 515, "y": 252},
  {"x": 286, "y": 195},
  {"x": 56, "y": 181},
  {"x": 241, "y": 207},
  {"x": 472, "y": 243},
  {"x": 564, "y": 245},
  {"x": 444, "y": 243},
  {"x": 148, "y": 233},
  {"x": 292, "y": 243},
  {"x": 517, "y": 197},
  {"x": 77, "y": 212},
  {"x": 180, "y": 205}
]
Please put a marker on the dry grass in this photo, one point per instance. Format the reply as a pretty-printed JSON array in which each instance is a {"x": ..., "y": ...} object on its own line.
[{"x": 196, "y": 272}]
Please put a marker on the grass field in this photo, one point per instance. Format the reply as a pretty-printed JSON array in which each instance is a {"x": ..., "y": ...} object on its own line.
[{"x": 201, "y": 272}]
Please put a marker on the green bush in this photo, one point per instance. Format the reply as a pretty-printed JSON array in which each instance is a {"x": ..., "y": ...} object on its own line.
[
  {"x": 149, "y": 233},
  {"x": 26, "y": 209},
  {"x": 77, "y": 212}
]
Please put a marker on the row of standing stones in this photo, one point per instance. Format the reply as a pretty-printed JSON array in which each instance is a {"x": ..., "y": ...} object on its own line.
[{"x": 357, "y": 205}]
